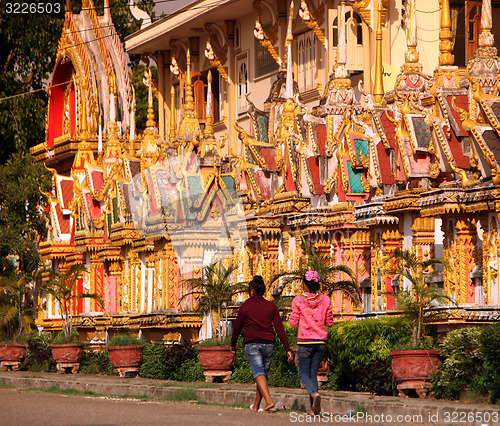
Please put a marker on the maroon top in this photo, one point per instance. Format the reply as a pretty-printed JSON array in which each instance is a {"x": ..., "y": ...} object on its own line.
[{"x": 260, "y": 318}]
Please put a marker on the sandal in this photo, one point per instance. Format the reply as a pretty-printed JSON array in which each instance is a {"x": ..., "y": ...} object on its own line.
[{"x": 251, "y": 408}]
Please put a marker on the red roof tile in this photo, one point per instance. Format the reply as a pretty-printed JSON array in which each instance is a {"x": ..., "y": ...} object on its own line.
[
  {"x": 314, "y": 169},
  {"x": 321, "y": 138},
  {"x": 389, "y": 128}
]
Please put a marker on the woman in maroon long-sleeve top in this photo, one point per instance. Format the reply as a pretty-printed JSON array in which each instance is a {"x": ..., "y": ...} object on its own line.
[{"x": 261, "y": 319}]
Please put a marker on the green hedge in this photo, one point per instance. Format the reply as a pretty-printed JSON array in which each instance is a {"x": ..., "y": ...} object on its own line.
[
  {"x": 470, "y": 364},
  {"x": 359, "y": 354},
  {"x": 38, "y": 353}
]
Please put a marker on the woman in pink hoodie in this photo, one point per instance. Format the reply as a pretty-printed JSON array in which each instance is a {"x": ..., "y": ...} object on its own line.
[{"x": 312, "y": 313}]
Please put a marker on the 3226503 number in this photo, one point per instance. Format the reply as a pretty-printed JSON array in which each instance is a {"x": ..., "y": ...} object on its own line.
[{"x": 33, "y": 8}]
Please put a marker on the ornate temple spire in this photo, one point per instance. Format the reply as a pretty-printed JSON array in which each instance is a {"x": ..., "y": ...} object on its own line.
[
  {"x": 209, "y": 127},
  {"x": 485, "y": 64},
  {"x": 99, "y": 142},
  {"x": 84, "y": 155},
  {"x": 148, "y": 81},
  {"x": 189, "y": 90},
  {"x": 113, "y": 143},
  {"x": 289, "y": 72},
  {"x": 132, "y": 117},
  {"x": 378, "y": 87},
  {"x": 446, "y": 58},
  {"x": 151, "y": 132},
  {"x": 172, "y": 115},
  {"x": 411, "y": 56},
  {"x": 340, "y": 69},
  {"x": 112, "y": 94},
  {"x": 486, "y": 39}
]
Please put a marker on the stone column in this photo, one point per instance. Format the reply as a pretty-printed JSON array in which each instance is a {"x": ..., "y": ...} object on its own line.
[{"x": 392, "y": 239}]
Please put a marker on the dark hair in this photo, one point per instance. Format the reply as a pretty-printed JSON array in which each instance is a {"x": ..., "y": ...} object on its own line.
[
  {"x": 258, "y": 285},
  {"x": 313, "y": 286}
]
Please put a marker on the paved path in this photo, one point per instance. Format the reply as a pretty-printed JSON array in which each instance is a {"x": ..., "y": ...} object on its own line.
[{"x": 340, "y": 407}]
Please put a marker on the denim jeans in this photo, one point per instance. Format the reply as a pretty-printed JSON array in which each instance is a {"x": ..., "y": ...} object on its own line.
[
  {"x": 260, "y": 356},
  {"x": 309, "y": 358}
]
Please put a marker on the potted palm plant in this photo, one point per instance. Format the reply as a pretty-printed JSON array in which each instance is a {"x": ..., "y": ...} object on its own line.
[
  {"x": 214, "y": 290},
  {"x": 66, "y": 348},
  {"x": 16, "y": 319},
  {"x": 125, "y": 354},
  {"x": 329, "y": 283},
  {"x": 419, "y": 304},
  {"x": 328, "y": 276}
]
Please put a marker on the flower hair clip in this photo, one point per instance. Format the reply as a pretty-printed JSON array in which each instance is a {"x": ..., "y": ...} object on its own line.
[{"x": 312, "y": 276}]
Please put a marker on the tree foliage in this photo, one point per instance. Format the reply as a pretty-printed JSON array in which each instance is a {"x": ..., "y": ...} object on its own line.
[
  {"x": 214, "y": 291},
  {"x": 28, "y": 49},
  {"x": 419, "y": 302},
  {"x": 22, "y": 218},
  {"x": 62, "y": 288},
  {"x": 332, "y": 278}
]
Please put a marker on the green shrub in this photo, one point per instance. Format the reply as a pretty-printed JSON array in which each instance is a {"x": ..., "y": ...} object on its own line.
[
  {"x": 38, "y": 353},
  {"x": 152, "y": 366},
  {"x": 490, "y": 378},
  {"x": 61, "y": 339},
  {"x": 174, "y": 357},
  {"x": 462, "y": 363},
  {"x": 359, "y": 353},
  {"x": 189, "y": 371},
  {"x": 284, "y": 373},
  {"x": 95, "y": 362},
  {"x": 242, "y": 373},
  {"x": 125, "y": 340},
  {"x": 215, "y": 341}
]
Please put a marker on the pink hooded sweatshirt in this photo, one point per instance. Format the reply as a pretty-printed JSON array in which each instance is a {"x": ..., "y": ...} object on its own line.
[{"x": 312, "y": 313}]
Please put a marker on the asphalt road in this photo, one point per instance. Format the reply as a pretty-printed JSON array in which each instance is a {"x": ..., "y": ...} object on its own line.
[
  {"x": 29, "y": 408},
  {"x": 20, "y": 408}
]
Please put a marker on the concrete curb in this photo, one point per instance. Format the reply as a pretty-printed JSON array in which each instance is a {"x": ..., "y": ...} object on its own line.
[{"x": 339, "y": 407}]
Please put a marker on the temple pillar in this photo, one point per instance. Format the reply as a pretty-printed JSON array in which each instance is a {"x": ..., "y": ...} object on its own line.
[
  {"x": 96, "y": 282},
  {"x": 423, "y": 237},
  {"x": 391, "y": 240},
  {"x": 361, "y": 258},
  {"x": 114, "y": 275},
  {"x": 466, "y": 250}
]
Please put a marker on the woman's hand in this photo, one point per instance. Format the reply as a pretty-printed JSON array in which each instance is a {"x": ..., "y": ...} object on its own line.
[{"x": 289, "y": 356}]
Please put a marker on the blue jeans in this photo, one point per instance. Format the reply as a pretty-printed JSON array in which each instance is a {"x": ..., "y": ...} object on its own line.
[
  {"x": 260, "y": 356},
  {"x": 309, "y": 358}
]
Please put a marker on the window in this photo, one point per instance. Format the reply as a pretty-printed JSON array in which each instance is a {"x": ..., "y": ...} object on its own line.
[
  {"x": 265, "y": 63},
  {"x": 242, "y": 84},
  {"x": 306, "y": 61},
  {"x": 366, "y": 295},
  {"x": 466, "y": 27},
  {"x": 354, "y": 39}
]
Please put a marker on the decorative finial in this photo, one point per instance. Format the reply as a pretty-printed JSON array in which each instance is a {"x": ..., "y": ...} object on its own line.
[
  {"x": 172, "y": 114},
  {"x": 411, "y": 55},
  {"x": 378, "y": 89},
  {"x": 148, "y": 81},
  {"x": 209, "y": 128},
  {"x": 99, "y": 143},
  {"x": 189, "y": 91},
  {"x": 446, "y": 58},
  {"x": 132, "y": 116},
  {"x": 289, "y": 72},
  {"x": 486, "y": 39},
  {"x": 340, "y": 66}
]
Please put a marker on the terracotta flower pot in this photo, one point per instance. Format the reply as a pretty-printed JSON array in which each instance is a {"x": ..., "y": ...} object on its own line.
[
  {"x": 126, "y": 359},
  {"x": 412, "y": 370},
  {"x": 67, "y": 356},
  {"x": 216, "y": 361},
  {"x": 11, "y": 355}
]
